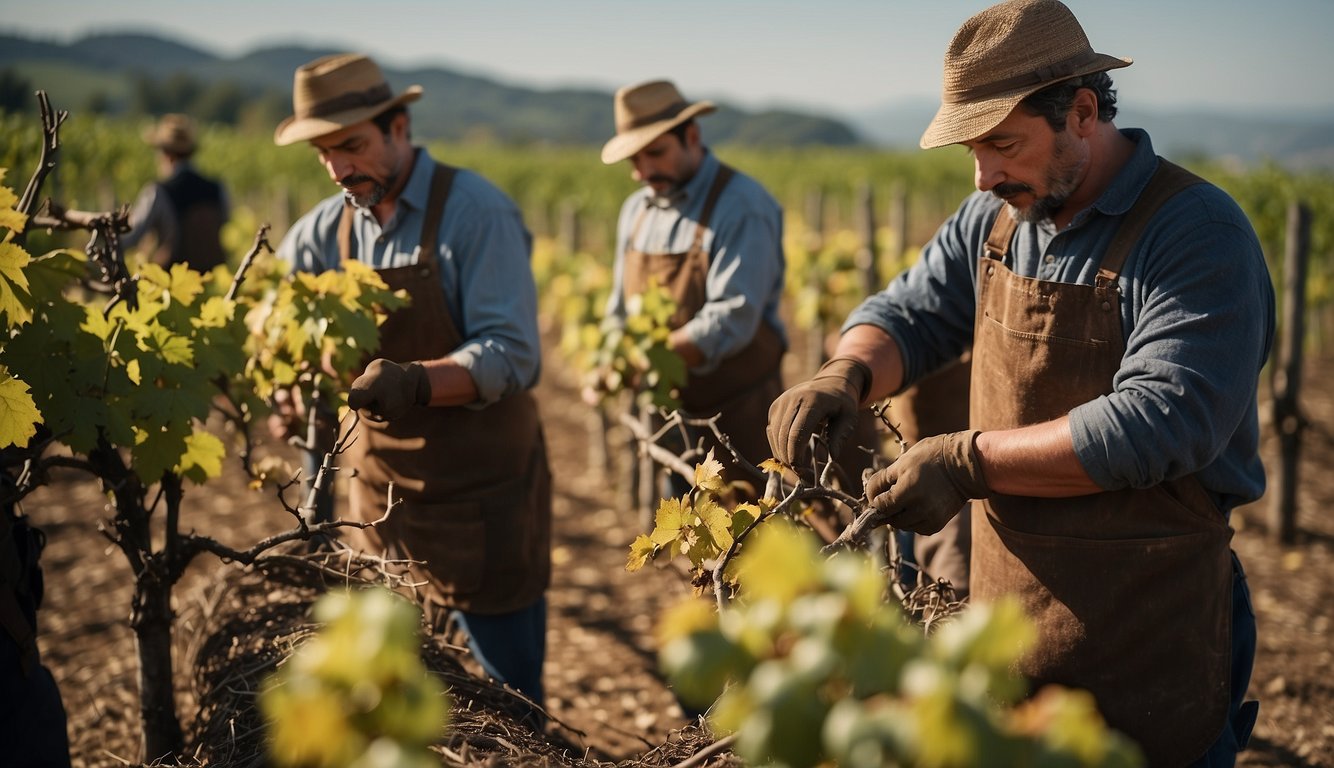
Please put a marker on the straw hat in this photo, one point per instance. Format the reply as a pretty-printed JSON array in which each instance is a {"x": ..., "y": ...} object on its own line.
[
  {"x": 646, "y": 111},
  {"x": 333, "y": 92},
  {"x": 1000, "y": 56},
  {"x": 173, "y": 134}
]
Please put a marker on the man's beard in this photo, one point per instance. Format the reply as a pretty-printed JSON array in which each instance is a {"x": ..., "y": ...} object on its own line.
[
  {"x": 1062, "y": 179},
  {"x": 368, "y": 199}
]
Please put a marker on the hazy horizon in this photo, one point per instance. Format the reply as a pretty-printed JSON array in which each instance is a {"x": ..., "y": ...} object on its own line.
[{"x": 840, "y": 56}]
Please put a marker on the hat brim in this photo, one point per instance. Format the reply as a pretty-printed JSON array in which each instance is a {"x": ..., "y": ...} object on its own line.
[
  {"x": 628, "y": 143},
  {"x": 293, "y": 129},
  {"x": 959, "y": 122}
]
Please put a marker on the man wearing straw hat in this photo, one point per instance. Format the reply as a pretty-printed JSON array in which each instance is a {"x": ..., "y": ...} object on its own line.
[
  {"x": 1119, "y": 311},
  {"x": 184, "y": 211},
  {"x": 446, "y": 414},
  {"x": 713, "y": 237}
]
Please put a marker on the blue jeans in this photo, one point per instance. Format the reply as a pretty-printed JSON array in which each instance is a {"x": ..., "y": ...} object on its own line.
[
  {"x": 1241, "y": 713},
  {"x": 510, "y": 646}
]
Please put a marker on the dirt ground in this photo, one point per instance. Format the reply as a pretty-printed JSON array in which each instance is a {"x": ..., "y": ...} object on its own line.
[{"x": 601, "y": 670}]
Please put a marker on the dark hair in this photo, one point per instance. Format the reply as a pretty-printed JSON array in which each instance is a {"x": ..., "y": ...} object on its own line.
[
  {"x": 680, "y": 131},
  {"x": 385, "y": 118},
  {"x": 1054, "y": 101}
]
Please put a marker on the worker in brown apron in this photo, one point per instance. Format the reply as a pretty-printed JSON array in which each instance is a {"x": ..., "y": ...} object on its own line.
[
  {"x": 712, "y": 237},
  {"x": 1119, "y": 312},
  {"x": 449, "y": 442}
]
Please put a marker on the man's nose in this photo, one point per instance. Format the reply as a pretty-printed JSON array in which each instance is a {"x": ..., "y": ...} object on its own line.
[{"x": 986, "y": 173}]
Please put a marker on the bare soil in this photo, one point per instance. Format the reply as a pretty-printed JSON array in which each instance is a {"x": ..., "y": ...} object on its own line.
[{"x": 600, "y": 675}]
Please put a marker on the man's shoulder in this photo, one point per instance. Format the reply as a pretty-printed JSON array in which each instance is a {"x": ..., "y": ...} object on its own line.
[
  {"x": 748, "y": 193},
  {"x": 474, "y": 190},
  {"x": 320, "y": 218}
]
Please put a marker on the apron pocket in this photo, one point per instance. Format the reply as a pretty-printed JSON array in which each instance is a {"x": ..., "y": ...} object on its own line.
[{"x": 450, "y": 537}]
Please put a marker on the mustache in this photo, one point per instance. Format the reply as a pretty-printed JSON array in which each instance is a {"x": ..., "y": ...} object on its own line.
[
  {"x": 658, "y": 178},
  {"x": 1010, "y": 189},
  {"x": 354, "y": 179}
]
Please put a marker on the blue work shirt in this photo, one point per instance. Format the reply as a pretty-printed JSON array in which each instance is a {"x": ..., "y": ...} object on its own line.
[
  {"x": 484, "y": 252},
  {"x": 1197, "y": 314},
  {"x": 745, "y": 244}
]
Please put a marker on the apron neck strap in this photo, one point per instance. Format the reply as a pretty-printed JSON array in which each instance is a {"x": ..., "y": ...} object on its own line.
[
  {"x": 442, "y": 181},
  {"x": 1166, "y": 181}
]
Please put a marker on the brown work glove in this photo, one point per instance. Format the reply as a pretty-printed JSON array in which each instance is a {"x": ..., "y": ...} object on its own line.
[
  {"x": 388, "y": 390},
  {"x": 828, "y": 401},
  {"x": 924, "y": 487}
]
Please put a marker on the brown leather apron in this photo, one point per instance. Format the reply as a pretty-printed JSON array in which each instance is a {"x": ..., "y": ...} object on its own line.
[
  {"x": 474, "y": 484},
  {"x": 743, "y": 385},
  {"x": 1130, "y": 589}
]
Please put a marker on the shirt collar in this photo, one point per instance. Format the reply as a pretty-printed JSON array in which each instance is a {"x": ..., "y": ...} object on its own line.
[{"x": 693, "y": 189}]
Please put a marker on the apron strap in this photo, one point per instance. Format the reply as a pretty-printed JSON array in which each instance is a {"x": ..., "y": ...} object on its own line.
[
  {"x": 1002, "y": 231},
  {"x": 1166, "y": 181},
  {"x": 442, "y": 181},
  {"x": 345, "y": 232},
  {"x": 724, "y": 175}
]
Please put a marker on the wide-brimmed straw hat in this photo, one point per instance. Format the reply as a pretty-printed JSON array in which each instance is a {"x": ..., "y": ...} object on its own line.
[
  {"x": 173, "y": 134},
  {"x": 1000, "y": 56},
  {"x": 646, "y": 111},
  {"x": 336, "y": 91}
]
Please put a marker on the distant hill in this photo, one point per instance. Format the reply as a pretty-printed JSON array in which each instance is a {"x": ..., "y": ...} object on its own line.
[
  {"x": 1295, "y": 141},
  {"x": 108, "y": 72}
]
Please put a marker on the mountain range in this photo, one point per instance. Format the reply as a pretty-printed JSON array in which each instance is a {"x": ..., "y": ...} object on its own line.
[{"x": 113, "y": 72}]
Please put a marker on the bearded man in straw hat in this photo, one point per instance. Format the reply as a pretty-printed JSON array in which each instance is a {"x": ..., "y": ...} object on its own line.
[
  {"x": 1119, "y": 311},
  {"x": 185, "y": 211},
  {"x": 447, "y": 414},
  {"x": 713, "y": 237}
]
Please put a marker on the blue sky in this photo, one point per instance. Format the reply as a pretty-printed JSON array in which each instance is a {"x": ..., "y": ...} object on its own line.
[{"x": 839, "y": 55}]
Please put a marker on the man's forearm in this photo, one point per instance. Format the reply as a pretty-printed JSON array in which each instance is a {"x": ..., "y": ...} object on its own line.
[
  {"x": 878, "y": 350},
  {"x": 1037, "y": 460}
]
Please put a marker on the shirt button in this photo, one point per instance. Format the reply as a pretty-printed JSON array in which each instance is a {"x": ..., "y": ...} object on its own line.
[{"x": 1049, "y": 258}]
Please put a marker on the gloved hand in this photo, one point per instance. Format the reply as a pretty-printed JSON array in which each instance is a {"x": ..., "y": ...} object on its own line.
[
  {"x": 388, "y": 390},
  {"x": 829, "y": 400},
  {"x": 924, "y": 487}
]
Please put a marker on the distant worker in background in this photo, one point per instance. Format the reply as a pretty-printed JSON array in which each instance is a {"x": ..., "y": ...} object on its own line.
[
  {"x": 713, "y": 237},
  {"x": 184, "y": 211}
]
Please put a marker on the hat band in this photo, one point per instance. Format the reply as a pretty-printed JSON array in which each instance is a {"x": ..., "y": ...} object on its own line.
[
  {"x": 1049, "y": 74},
  {"x": 347, "y": 101},
  {"x": 671, "y": 111}
]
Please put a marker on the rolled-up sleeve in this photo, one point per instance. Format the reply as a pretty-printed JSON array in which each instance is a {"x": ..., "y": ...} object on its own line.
[
  {"x": 1203, "y": 306},
  {"x": 491, "y": 248}
]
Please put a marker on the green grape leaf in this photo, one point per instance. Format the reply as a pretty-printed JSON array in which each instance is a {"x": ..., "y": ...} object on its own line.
[
  {"x": 19, "y": 416},
  {"x": 203, "y": 457},
  {"x": 159, "y": 450}
]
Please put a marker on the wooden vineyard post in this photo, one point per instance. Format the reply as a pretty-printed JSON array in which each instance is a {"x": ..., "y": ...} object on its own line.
[
  {"x": 866, "y": 255},
  {"x": 898, "y": 229},
  {"x": 1288, "y": 372}
]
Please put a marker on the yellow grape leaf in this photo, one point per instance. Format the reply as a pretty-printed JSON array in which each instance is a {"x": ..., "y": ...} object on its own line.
[
  {"x": 14, "y": 284},
  {"x": 215, "y": 313},
  {"x": 717, "y": 521},
  {"x": 685, "y": 618},
  {"x": 709, "y": 475},
  {"x": 771, "y": 465},
  {"x": 641, "y": 551},
  {"x": 9, "y": 217},
  {"x": 171, "y": 347},
  {"x": 185, "y": 284},
  {"x": 779, "y": 561},
  {"x": 673, "y": 515},
  {"x": 203, "y": 457},
  {"x": 742, "y": 516},
  {"x": 19, "y": 416}
]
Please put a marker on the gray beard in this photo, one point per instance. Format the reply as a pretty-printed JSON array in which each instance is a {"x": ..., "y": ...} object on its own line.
[{"x": 369, "y": 200}]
